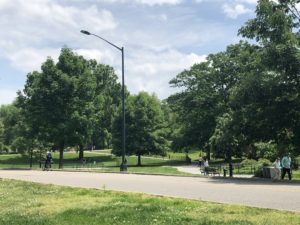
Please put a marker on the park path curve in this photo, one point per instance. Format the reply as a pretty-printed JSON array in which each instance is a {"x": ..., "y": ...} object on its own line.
[{"x": 264, "y": 194}]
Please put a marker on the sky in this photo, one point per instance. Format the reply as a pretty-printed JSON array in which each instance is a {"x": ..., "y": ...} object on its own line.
[{"x": 161, "y": 38}]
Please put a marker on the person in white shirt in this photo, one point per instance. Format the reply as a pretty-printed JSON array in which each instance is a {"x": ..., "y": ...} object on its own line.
[
  {"x": 206, "y": 166},
  {"x": 277, "y": 169}
]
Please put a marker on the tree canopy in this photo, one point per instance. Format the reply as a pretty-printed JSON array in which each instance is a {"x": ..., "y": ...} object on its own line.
[
  {"x": 61, "y": 101},
  {"x": 248, "y": 93},
  {"x": 146, "y": 128}
]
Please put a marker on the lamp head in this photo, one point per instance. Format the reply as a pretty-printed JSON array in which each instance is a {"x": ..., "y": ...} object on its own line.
[{"x": 85, "y": 32}]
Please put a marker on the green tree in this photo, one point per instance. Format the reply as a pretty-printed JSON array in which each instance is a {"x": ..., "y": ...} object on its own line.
[
  {"x": 80, "y": 103},
  {"x": 56, "y": 102},
  {"x": 9, "y": 115},
  {"x": 206, "y": 94},
  {"x": 1, "y": 135},
  {"x": 146, "y": 129},
  {"x": 107, "y": 100},
  {"x": 276, "y": 29}
]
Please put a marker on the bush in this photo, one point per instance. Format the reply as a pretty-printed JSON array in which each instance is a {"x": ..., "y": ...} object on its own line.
[
  {"x": 267, "y": 150},
  {"x": 296, "y": 163},
  {"x": 4, "y": 148},
  {"x": 264, "y": 162},
  {"x": 248, "y": 162},
  {"x": 258, "y": 173},
  {"x": 256, "y": 164},
  {"x": 260, "y": 164}
]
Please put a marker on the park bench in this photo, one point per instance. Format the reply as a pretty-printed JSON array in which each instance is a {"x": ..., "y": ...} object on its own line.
[
  {"x": 195, "y": 163},
  {"x": 211, "y": 171}
]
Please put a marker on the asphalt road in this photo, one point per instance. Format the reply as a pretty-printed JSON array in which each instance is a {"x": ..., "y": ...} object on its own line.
[{"x": 275, "y": 195}]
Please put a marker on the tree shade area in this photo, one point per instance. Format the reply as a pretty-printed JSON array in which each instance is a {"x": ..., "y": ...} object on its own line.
[{"x": 242, "y": 102}]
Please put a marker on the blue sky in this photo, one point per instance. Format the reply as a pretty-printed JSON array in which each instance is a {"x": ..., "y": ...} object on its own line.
[{"x": 161, "y": 37}]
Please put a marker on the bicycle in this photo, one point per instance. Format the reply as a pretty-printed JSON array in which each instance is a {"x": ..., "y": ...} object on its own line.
[{"x": 47, "y": 165}]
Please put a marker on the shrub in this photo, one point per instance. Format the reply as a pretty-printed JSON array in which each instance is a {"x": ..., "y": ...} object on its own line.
[
  {"x": 296, "y": 163},
  {"x": 256, "y": 164},
  {"x": 267, "y": 150},
  {"x": 4, "y": 148},
  {"x": 260, "y": 164},
  {"x": 248, "y": 162},
  {"x": 258, "y": 172},
  {"x": 264, "y": 162}
]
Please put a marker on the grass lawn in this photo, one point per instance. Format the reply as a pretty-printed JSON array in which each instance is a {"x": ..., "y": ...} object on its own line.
[
  {"x": 26, "y": 203},
  {"x": 102, "y": 160},
  {"x": 98, "y": 160}
]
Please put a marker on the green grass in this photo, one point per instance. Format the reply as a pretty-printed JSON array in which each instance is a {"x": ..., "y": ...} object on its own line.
[
  {"x": 97, "y": 160},
  {"x": 295, "y": 175},
  {"x": 103, "y": 160},
  {"x": 26, "y": 203}
]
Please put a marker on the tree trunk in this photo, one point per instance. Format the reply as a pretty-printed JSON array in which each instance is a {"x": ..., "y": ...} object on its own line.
[
  {"x": 81, "y": 153},
  {"x": 31, "y": 149},
  {"x": 139, "y": 160},
  {"x": 228, "y": 154},
  {"x": 108, "y": 143},
  {"x": 208, "y": 152},
  {"x": 61, "y": 154}
]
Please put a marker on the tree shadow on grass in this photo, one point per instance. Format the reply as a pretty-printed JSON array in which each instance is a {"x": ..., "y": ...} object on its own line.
[{"x": 16, "y": 159}]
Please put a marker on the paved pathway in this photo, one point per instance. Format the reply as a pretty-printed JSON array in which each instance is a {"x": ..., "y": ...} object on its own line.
[
  {"x": 196, "y": 170},
  {"x": 276, "y": 195}
]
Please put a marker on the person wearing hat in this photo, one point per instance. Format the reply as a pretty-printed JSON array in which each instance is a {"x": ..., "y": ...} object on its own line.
[{"x": 286, "y": 166}]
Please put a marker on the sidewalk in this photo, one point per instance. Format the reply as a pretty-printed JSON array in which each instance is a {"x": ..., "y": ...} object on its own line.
[{"x": 196, "y": 170}]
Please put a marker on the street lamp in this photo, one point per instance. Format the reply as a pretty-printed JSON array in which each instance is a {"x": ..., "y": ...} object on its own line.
[{"x": 123, "y": 166}]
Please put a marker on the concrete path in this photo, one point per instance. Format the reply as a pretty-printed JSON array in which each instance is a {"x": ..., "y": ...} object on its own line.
[
  {"x": 264, "y": 194},
  {"x": 196, "y": 170}
]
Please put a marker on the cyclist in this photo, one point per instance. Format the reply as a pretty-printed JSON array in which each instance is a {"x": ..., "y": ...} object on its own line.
[{"x": 48, "y": 160}]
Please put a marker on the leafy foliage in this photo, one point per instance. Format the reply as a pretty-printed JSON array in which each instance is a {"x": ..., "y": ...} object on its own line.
[
  {"x": 59, "y": 103},
  {"x": 247, "y": 94},
  {"x": 146, "y": 128}
]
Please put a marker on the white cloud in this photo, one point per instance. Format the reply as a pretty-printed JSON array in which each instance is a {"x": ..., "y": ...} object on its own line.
[
  {"x": 251, "y": 2},
  {"x": 163, "y": 17},
  {"x": 27, "y": 27},
  {"x": 151, "y": 71},
  {"x": 144, "y": 2},
  {"x": 105, "y": 56},
  {"x": 248, "y": 1},
  {"x": 233, "y": 11},
  {"x": 146, "y": 69},
  {"x": 159, "y": 42},
  {"x": 159, "y": 2},
  {"x": 30, "y": 59},
  {"x": 7, "y": 96}
]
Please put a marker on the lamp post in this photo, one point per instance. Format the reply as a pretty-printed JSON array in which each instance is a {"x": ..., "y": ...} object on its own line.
[{"x": 123, "y": 166}]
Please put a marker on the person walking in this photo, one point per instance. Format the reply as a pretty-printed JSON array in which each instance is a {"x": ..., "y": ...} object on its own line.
[
  {"x": 286, "y": 166},
  {"x": 277, "y": 169},
  {"x": 206, "y": 166},
  {"x": 200, "y": 161}
]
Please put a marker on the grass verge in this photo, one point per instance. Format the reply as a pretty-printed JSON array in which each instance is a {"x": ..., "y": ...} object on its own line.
[{"x": 23, "y": 203}]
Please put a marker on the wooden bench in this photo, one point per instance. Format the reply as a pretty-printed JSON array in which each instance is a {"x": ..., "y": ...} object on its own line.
[{"x": 211, "y": 171}]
